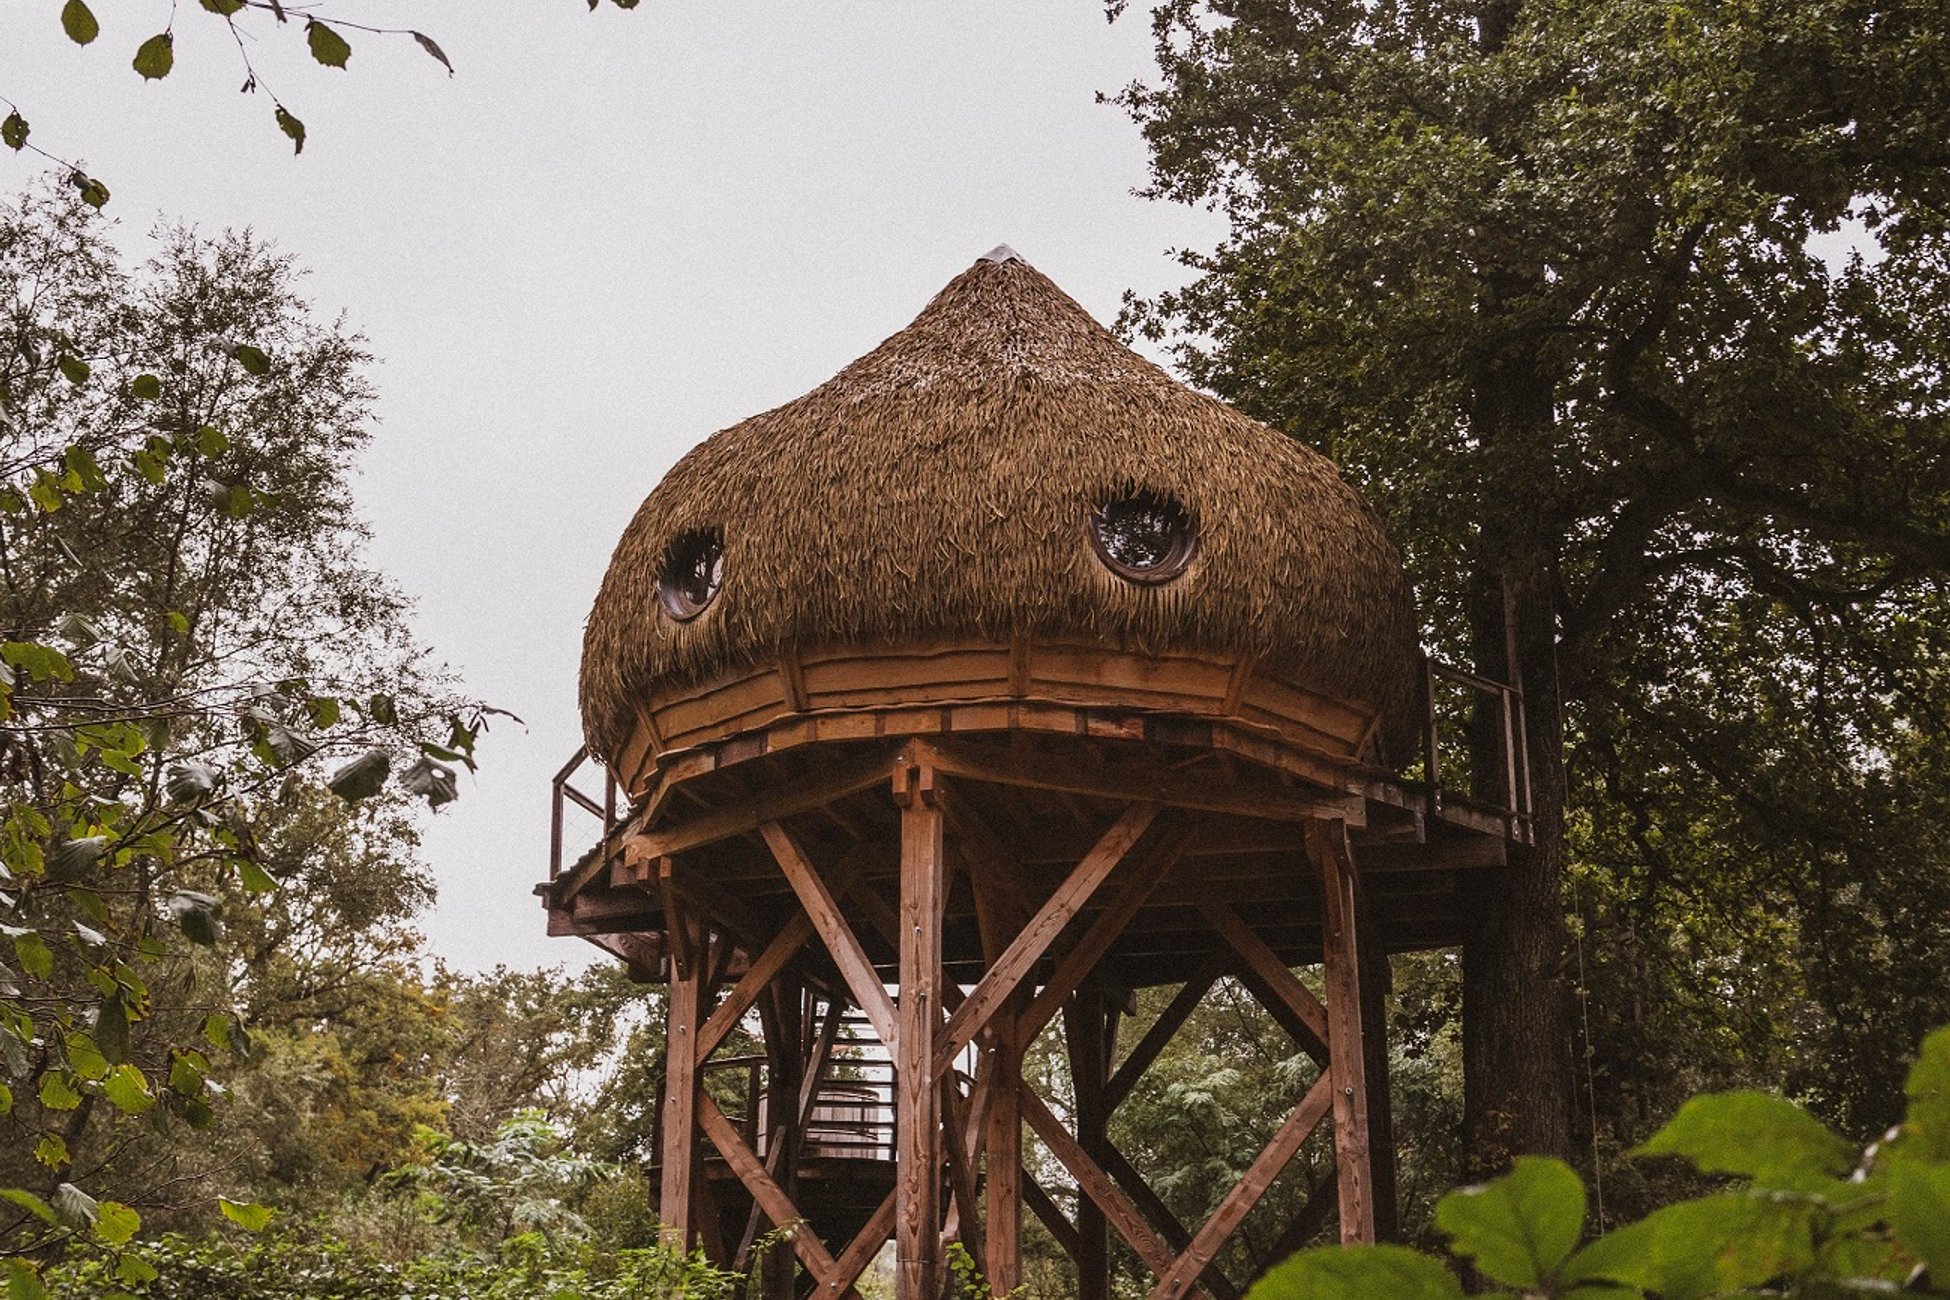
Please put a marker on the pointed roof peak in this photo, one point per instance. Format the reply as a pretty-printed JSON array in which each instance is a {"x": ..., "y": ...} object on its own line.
[{"x": 1003, "y": 253}]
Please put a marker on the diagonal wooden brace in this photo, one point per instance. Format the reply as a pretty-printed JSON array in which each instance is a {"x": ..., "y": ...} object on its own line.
[{"x": 843, "y": 945}]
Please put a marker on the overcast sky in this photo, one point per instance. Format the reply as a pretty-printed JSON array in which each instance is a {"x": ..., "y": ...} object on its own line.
[{"x": 609, "y": 235}]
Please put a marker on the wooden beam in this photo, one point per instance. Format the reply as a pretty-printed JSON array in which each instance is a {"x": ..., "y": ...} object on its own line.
[
  {"x": 681, "y": 1093},
  {"x": 1047, "y": 1210},
  {"x": 832, "y": 782},
  {"x": 1094, "y": 1183},
  {"x": 1083, "y": 1039},
  {"x": 1002, "y": 1161},
  {"x": 1140, "y": 1057},
  {"x": 1346, "y": 1054},
  {"x": 1147, "y": 780},
  {"x": 1266, "y": 965},
  {"x": 1178, "y": 1280},
  {"x": 961, "y": 1170},
  {"x": 841, "y": 943},
  {"x": 1008, "y": 971},
  {"x": 917, "y": 1137},
  {"x": 770, "y": 1196},
  {"x": 1135, "y": 886},
  {"x": 1153, "y": 1207},
  {"x": 860, "y": 1251}
]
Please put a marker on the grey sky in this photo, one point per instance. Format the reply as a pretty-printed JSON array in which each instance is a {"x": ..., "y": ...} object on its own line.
[{"x": 608, "y": 236}]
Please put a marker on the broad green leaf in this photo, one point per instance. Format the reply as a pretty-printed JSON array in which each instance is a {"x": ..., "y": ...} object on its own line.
[
  {"x": 135, "y": 1270},
  {"x": 255, "y": 879},
  {"x": 1919, "y": 1210},
  {"x": 179, "y": 623},
  {"x": 249, "y": 1216},
  {"x": 84, "y": 1058},
  {"x": 1520, "y": 1227},
  {"x": 74, "y": 1207},
  {"x": 33, "y": 955},
  {"x": 199, "y": 914},
  {"x": 93, "y": 192},
  {"x": 1702, "y": 1247},
  {"x": 185, "y": 1076},
  {"x": 127, "y": 1090},
  {"x": 145, "y": 388},
  {"x": 29, "y": 1202},
  {"x": 210, "y": 441},
  {"x": 51, "y": 1151},
  {"x": 117, "y": 1224},
  {"x": 223, "y": 7},
  {"x": 24, "y": 1281},
  {"x": 111, "y": 1030},
  {"x": 13, "y": 131},
  {"x": 291, "y": 126},
  {"x": 252, "y": 358},
  {"x": 215, "y": 1030},
  {"x": 1753, "y": 1135},
  {"x": 74, "y": 370},
  {"x": 327, "y": 46},
  {"x": 156, "y": 56},
  {"x": 1926, "y": 1126},
  {"x": 42, "y": 662},
  {"x": 6, "y": 1100},
  {"x": 427, "y": 43},
  {"x": 78, "y": 21},
  {"x": 58, "y": 1091},
  {"x": 1359, "y": 1273},
  {"x": 323, "y": 710},
  {"x": 362, "y": 778},
  {"x": 434, "y": 782}
]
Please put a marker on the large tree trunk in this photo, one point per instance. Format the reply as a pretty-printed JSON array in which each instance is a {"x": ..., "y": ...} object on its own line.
[{"x": 1517, "y": 1076}]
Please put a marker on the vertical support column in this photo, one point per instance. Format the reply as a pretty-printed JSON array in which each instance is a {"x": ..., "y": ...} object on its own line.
[
  {"x": 684, "y": 1013},
  {"x": 917, "y": 1140},
  {"x": 1347, "y": 1057},
  {"x": 1084, "y": 1032},
  {"x": 1002, "y": 1143},
  {"x": 1377, "y": 982}
]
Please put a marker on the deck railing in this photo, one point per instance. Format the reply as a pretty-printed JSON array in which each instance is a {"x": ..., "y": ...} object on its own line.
[
  {"x": 1500, "y": 706},
  {"x": 562, "y": 793}
]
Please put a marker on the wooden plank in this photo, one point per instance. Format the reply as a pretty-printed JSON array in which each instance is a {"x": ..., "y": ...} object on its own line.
[
  {"x": 1084, "y": 1031},
  {"x": 1095, "y": 1183},
  {"x": 917, "y": 1139},
  {"x": 1140, "y": 1057},
  {"x": 841, "y": 943},
  {"x": 1274, "y": 973},
  {"x": 681, "y": 1093},
  {"x": 1161, "y": 1217},
  {"x": 1183, "y": 1274},
  {"x": 1128, "y": 780},
  {"x": 1002, "y": 1161},
  {"x": 860, "y": 1252},
  {"x": 1134, "y": 888},
  {"x": 961, "y": 1171},
  {"x": 1047, "y": 1210},
  {"x": 1346, "y": 1052},
  {"x": 833, "y": 782},
  {"x": 783, "y": 948},
  {"x": 1034, "y": 940},
  {"x": 770, "y": 1196}
]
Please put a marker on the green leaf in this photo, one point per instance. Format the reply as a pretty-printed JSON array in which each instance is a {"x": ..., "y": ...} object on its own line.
[
  {"x": 156, "y": 57},
  {"x": 362, "y": 778},
  {"x": 52, "y": 1151},
  {"x": 291, "y": 126},
  {"x": 111, "y": 1030},
  {"x": 57, "y": 1093},
  {"x": 23, "y": 1281},
  {"x": 135, "y": 1270},
  {"x": 191, "y": 781},
  {"x": 42, "y": 662},
  {"x": 255, "y": 879},
  {"x": 327, "y": 46},
  {"x": 84, "y": 1058},
  {"x": 13, "y": 131},
  {"x": 210, "y": 441},
  {"x": 33, "y": 955},
  {"x": 215, "y": 1030},
  {"x": 127, "y": 1090},
  {"x": 223, "y": 7},
  {"x": 323, "y": 710},
  {"x": 186, "y": 1074},
  {"x": 1359, "y": 1273},
  {"x": 1926, "y": 1125},
  {"x": 179, "y": 623},
  {"x": 427, "y": 43},
  {"x": 74, "y": 1207},
  {"x": 78, "y": 21},
  {"x": 198, "y": 914},
  {"x": 29, "y": 1202},
  {"x": 1919, "y": 1210},
  {"x": 93, "y": 192},
  {"x": 252, "y": 358},
  {"x": 6, "y": 1100},
  {"x": 1753, "y": 1135},
  {"x": 434, "y": 782},
  {"x": 1702, "y": 1247},
  {"x": 74, "y": 370},
  {"x": 250, "y": 1216},
  {"x": 146, "y": 388},
  {"x": 1520, "y": 1227},
  {"x": 117, "y": 1224}
]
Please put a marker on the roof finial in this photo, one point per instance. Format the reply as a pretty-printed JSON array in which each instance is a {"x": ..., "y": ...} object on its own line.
[{"x": 1002, "y": 253}]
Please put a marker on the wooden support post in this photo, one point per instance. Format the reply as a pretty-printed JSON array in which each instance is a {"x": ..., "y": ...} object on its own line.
[
  {"x": 1002, "y": 1143},
  {"x": 1377, "y": 982},
  {"x": 1347, "y": 1058},
  {"x": 917, "y": 1141},
  {"x": 1084, "y": 1032},
  {"x": 679, "y": 1120}
]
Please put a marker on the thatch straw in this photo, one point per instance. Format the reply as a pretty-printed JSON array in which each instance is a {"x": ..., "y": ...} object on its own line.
[{"x": 938, "y": 488}]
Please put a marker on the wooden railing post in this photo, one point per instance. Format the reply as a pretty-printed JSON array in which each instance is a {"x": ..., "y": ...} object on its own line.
[{"x": 679, "y": 1131}]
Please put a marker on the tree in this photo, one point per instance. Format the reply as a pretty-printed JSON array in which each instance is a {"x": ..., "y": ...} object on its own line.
[
  {"x": 187, "y": 629},
  {"x": 1558, "y": 284}
]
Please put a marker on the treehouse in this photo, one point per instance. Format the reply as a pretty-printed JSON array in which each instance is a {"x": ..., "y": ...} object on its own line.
[{"x": 995, "y": 679}]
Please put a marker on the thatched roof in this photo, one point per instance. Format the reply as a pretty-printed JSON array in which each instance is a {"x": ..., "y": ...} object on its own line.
[{"x": 939, "y": 488}]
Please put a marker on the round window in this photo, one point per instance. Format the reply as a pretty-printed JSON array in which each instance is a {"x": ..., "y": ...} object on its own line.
[
  {"x": 1144, "y": 536},
  {"x": 693, "y": 569}
]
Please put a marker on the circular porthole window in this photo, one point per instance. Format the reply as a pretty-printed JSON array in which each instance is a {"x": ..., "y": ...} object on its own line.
[
  {"x": 1142, "y": 535},
  {"x": 693, "y": 570}
]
